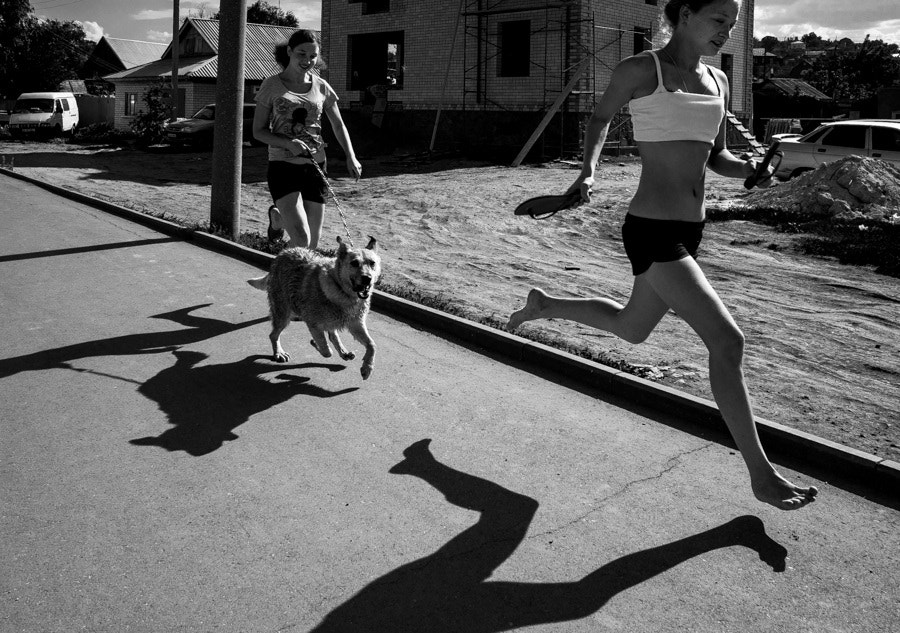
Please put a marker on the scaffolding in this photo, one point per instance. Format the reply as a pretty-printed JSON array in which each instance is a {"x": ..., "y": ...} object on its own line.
[{"x": 562, "y": 36}]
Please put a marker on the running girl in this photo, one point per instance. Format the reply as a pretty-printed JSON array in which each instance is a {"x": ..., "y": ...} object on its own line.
[{"x": 677, "y": 106}]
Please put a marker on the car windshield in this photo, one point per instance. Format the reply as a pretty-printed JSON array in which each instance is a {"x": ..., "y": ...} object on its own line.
[
  {"x": 33, "y": 106},
  {"x": 207, "y": 113}
]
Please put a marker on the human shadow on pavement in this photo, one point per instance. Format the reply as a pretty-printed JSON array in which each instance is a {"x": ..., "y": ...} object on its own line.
[
  {"x": 93, "y": 248},
  {"x": 448, "y": 591},
  {"x": 206, "y": 403},
  {"x": 197, "y": 328}
]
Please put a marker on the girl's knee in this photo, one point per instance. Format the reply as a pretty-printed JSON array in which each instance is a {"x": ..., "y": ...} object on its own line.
[{"x": 729, "y": 346}]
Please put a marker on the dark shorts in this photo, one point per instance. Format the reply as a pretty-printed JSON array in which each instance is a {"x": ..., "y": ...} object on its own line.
[
  {"x": 647, "y": 241},
  {"x": 287, "y": 178}
]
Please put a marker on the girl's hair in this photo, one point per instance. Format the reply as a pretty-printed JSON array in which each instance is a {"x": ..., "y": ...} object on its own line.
[
  {"x": 303, "y": 36},
  {"x": 671, "y": 13}
]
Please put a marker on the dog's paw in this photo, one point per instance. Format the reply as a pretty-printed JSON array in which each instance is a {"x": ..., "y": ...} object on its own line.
[
  {"x": 282, "y": 357},
  {"x": 348, "y": 355},
  {"x": 326, "y": 353},
  {"x": 365, "y": 371}
]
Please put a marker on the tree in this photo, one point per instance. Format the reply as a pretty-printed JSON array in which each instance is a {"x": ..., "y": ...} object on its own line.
[
  {"x": 13, "y": 15},
  {"x": 37, "y": 54},
  {"x": 261, "y": 12},
  {"x": 813, "y": 41},
  {"x": 769, "y": 42},
  {"x": 855, "y": 75}
]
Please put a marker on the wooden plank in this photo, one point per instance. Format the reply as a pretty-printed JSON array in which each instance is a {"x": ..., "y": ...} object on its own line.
[{"x": 579, "y": 71}]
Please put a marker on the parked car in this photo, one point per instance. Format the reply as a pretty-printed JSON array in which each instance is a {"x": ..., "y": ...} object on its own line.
[
  {"x": 873, "y": 138},
  {"x": 198, "y": 129},
  {"x": 47, "y": 113}
]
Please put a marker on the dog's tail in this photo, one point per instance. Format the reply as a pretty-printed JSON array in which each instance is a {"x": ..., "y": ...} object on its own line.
[{"x": 259, "y": 283}]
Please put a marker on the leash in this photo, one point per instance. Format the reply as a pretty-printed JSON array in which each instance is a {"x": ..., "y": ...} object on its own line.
[{"x": 331, "y": 192}]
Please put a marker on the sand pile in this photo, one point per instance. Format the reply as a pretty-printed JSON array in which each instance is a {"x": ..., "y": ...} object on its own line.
[{"x": 847, "y": 189}]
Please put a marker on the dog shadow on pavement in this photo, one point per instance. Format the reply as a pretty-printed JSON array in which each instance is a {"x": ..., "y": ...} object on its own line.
[
  {"x": 448, "y": 591},
  {"x": 206, "y": 403}
]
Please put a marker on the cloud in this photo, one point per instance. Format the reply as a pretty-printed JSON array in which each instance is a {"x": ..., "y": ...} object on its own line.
[
  {"x": 159, "y": 36},
  {"x": 153, "y": 14},
  {"x": 831, "y": 19},
  {"x": 92, "y": 31},
  {"x": 307, "y": 12}
]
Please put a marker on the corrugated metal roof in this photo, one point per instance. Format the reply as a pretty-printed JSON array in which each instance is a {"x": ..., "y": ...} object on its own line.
[
  {"x": 134, "y": 53},
  {"x": 797, "y": 88},
  {"x": 259, "y": 53}
]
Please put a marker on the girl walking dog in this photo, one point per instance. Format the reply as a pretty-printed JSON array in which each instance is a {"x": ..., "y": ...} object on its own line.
[
  {"x": 677, "y": 106},
  {"x": 288, "y": 118}
]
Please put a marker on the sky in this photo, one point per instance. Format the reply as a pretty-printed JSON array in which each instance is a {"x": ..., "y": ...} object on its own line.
[{"x": 830, "y": 19}]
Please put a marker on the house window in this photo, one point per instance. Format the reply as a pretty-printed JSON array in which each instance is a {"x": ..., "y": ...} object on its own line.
[
  {"x": 643, "y": 39},
  {"x": 728, "y": 67},
  {"x": 373, "y": 6},
  {"x": 376, "y": 59},
  {"x": 653, "y": 2},
  {"x": 131, "y": 99},
  {"x": 376, "y": 6},
  {"x": 515, "y": 49}
]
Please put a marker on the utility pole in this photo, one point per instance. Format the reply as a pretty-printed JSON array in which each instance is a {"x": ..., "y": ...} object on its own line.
[
  {"x": 175, "y": 25},
  {"x": 225, "y": 206}
]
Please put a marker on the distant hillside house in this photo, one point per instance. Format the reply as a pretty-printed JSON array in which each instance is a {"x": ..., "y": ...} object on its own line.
[
  {"x": 198, "y": 48},
  {"x": 111, "y": 55},
  {"x": 785, "y": 97},
  {"x": 493, "y": 69}
]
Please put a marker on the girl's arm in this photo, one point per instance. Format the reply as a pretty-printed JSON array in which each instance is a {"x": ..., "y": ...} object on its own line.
[
  {"x": 721, "y": 160},
  {"x": 343, "y": 138},
  {"x": 262, "y": 134},
  {"x": 626, "y": 78}
]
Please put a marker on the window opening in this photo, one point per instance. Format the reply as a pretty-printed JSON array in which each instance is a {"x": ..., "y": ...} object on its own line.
[{"x": 515, "y": 49}]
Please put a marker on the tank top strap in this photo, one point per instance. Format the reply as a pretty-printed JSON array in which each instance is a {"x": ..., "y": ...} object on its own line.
[
  {"x": 715, "y": 81},
  {"x": 659, "y": 78}
]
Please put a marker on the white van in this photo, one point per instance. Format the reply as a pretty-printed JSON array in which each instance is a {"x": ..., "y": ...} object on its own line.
[{"x": 52, "y": 113}]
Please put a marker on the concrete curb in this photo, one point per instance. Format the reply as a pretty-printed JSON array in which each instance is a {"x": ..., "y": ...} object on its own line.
[{"x": 805, "y": 448}]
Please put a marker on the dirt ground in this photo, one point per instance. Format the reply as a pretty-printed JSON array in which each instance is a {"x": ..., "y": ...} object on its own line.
[{"x": 822, "y": 345}]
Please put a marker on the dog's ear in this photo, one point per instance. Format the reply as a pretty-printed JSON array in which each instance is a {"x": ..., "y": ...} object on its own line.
[
  {"x": 342, "y": 246},
  {"x": 373, "y": 244}
]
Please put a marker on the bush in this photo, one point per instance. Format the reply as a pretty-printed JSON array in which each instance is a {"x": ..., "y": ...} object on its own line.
[
  {"x": 148, "y": 126},
  {"x": 101, "y": 133}
]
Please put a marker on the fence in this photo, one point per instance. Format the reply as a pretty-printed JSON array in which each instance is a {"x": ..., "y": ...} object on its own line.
[{"x": 94, "y": 109}]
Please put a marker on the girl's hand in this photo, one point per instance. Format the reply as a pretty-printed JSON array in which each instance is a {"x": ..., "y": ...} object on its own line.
[
  {"x": 298, "y": 147},
  {"x": 354, "y": 168},
  {"x": 765, "y": 180},
  {"x": 583, "y": 184}
]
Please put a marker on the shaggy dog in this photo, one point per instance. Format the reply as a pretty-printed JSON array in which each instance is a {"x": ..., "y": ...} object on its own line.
[{"x": 328, "y": 293}]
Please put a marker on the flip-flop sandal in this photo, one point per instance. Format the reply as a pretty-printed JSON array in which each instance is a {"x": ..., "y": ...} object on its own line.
[
  {"x": 773, "y": 155},
  {"x": 273, "y": 234},
  {"x": 543, "y": 207}
]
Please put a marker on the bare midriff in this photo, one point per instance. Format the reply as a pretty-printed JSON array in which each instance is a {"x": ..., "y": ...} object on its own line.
[{"x": 673, "y": 181}]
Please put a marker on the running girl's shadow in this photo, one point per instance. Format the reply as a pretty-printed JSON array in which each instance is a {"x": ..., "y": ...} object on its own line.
[
  {"x": 197, "y": 328},
  {"x": 205, "y": 404},
  {"x": 448, "y": 591}
]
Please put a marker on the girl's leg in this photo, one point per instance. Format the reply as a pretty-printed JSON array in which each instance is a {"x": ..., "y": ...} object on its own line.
[
  {"x": 633, "y": 322},
  {"x": 682, "y": 285},
  {"x": 294, "y": 220},
  {"x": 315, "y": 215}
]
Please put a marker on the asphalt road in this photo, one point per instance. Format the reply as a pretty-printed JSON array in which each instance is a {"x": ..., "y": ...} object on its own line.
[{"x": 158, "y": 473}]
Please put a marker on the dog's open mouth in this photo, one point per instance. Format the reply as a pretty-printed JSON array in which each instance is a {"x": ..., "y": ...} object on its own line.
[{"x": 362, "y": 290}]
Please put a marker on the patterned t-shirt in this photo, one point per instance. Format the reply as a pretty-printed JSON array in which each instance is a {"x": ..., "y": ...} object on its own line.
[{"x": 296, "y": 115}]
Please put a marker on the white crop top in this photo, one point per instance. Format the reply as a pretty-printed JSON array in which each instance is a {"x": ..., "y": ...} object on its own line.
[{"x": 676, "y": 116}]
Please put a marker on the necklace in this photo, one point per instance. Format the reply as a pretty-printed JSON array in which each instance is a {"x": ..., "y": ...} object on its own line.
[{"x": 683, "y": 82}]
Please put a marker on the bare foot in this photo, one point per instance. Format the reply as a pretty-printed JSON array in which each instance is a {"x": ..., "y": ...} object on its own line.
[
  {"x": 782, "y": 494},
  {"x": 534, "y": 305}
]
